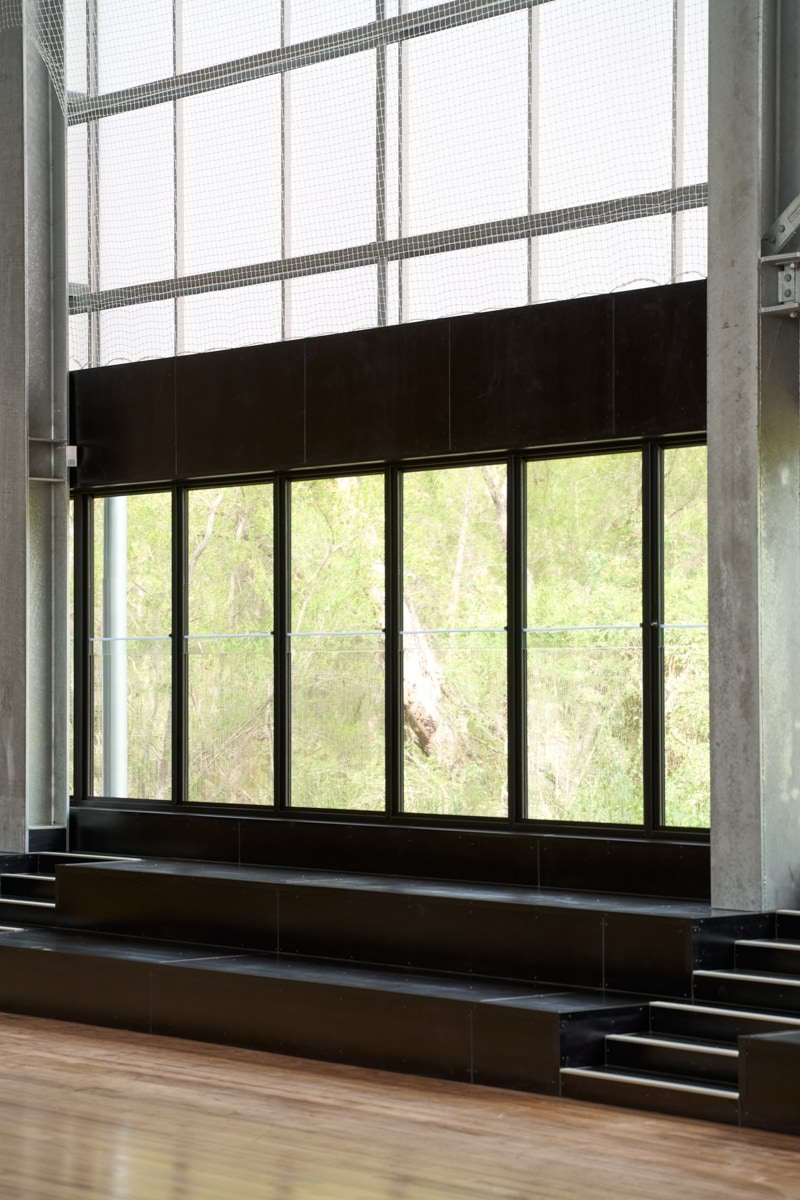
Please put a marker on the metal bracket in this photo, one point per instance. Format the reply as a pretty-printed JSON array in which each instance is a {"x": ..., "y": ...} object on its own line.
[
  {"x": 787, "y": 278},
  {"x": 783, "y": 229}
]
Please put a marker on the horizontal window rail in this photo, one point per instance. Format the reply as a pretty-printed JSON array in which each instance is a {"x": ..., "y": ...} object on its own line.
[
  {"x": 434, "y": 19},
  {"x": 558, "y": 220}
]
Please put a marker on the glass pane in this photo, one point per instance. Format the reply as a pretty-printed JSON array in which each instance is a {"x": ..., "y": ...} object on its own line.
[
  {"x": 78, "y": 194},
  {"x": 140, "y": 331},
  {"x": 134, "y": 42},
  {"x": 338, "y": 722},
  {"x": 454, "y": 548},
  {"x": 230, "y": 565},
  {"x": 335, "y": 303},
  {"x": 338, "y": 554},
  {"x": 310, "y": 19},
  {"x": 585, "y": 726},
  {"x": 215, "y": 33},
  {"x": 585, "y": 541},
  {"x": 686, "y": 685},
  {"x": 231, "y": 720},
  {"x": 133, "y": 719},
  {"x": 455, "y": 722},
  {"x": 132, "y": 646},
  {"x": 246, "y": 316},
  {"x": 602, "y": 258},
  {"x": 462, "y": 281}
]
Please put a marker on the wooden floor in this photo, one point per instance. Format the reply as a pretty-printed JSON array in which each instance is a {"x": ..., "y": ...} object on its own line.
[{"x": 86, "y": 1113}]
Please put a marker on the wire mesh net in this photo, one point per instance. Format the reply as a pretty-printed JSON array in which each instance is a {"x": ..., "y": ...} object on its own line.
[{"x": 266, "y": 169}]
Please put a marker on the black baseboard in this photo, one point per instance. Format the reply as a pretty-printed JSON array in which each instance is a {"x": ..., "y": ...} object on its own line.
[{"x": 46, "y": 837}]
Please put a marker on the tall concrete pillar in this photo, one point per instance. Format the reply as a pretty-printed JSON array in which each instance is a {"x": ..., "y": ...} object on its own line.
[
  {"x": 33, "y": 431},
  {"x": 754, "y": 460}
]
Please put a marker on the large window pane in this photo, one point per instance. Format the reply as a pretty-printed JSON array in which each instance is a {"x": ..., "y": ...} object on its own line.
[
  {"x": 132, "y": 647},
  {"x": 686, "y": 733},
  {"x": 584, "y": 639},
  {"x": 230, "y": 646},
  {"x": 337, "y": 643},
  {"x": 454, "y": 642}
]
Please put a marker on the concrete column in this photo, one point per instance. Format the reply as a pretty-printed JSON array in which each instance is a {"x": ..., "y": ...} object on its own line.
[
  {"x": 33, "y": 413},
  {"x": 754, "y": 461}
]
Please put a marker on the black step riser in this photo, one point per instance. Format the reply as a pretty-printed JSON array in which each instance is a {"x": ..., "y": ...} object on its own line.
[
  {"x": 788, "y": 926},
  {"x": 709, "y": 1027},
  {"x": 24, "y": 915},
  {"x": 755, "y": 995},
  {"x": 651, "y": 1099},
  {"x": 22, "y": 887},
  {"x": 639, "y": 1058},
  {"x": 773, "y": 959}
]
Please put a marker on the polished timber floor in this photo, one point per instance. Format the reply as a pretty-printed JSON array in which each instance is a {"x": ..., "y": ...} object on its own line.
[{"x": 107, "y": 1115}]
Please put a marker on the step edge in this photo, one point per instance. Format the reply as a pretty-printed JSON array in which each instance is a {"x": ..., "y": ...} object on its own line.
[
  {"x": 27, "y": 875},
  {"x": 28, "y": 903},
  {"x": 725, "y": 1012},
  {"x": 688, "y": 1047},
  {"x": 773, "y": 945},
  {"x": 743, "y": 976},
  {"x": 85, "y": 856},
  {"x": 652, "y": 1081}
]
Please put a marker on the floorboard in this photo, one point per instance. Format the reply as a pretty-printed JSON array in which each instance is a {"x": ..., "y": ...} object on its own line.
[{"x": 105, "y": 1115}]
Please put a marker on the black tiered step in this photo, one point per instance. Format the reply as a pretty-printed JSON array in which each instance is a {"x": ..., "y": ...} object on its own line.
[
  {"x": 677, "y": 1058},
  {"x": 678, "y": 1097},
  {"x": 620, "y": 943},
  {"x": 28, "y": 884}
]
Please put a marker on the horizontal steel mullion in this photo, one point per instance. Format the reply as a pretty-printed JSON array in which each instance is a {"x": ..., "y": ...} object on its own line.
[
  {"x": 560, "y": 220},
  {"x": 437, "y": 17}
]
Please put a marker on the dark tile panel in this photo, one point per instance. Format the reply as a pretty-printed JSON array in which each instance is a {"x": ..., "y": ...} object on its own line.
[
  {"x": 649, "y": 955},
  {"x": 240, "y": 410},
  {"x": 163, "y": 835},
  {"x": 516, "y": 1048},
  {"x": 646, "y": 868},
  {"x": 378, "y": 394},
  {"x": 167, "y": 907},
  {"x": 47, "y": 837},
  {"x": 393, "y": 1031},
  {"x": 660, "y": 360},
  {"x": 769, "y": 1081},
  {"x": 583, "y": 1034},
  {"x": 532, "y": 376},
  {"x": 125, "y": 423},
  {"x": 713, "y": 941}
]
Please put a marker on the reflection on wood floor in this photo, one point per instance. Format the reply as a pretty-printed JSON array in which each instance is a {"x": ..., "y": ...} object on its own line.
[{"x": 97, "y": 1114}]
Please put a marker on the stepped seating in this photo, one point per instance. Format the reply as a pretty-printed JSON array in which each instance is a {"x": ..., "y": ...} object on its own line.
[{"x": 28, "y": 884}]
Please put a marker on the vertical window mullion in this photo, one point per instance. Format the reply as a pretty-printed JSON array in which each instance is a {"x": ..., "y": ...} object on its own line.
[
  {"x": 394, "y": 649},
  {"x": 517, "y": 707},
  {"x": 282, "y": 661},
  {"x": 652, "y": 637},
  {"x": 180, "y": 680},
  {"x": 83, "y": 706}
]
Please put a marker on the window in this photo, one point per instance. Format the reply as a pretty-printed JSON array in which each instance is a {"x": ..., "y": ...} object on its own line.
[
  {"x": 483, "y": 640},
  {"x": 336, "y": 635},
  {"x": 230, "y": 646},
  {"x": 455, "y": 710},
  {"x": 132, "y": 647}
]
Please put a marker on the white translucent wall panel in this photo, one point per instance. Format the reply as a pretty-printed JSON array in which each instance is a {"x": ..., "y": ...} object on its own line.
[
  {"x": 134, "y": 42},
  {"x": 693, "y": 235},
  {"x": 215, "y": 33},
  {"x": 311, "y": 19},
  {"x": 604, "y": 99},
  {"x": 231, "y": 167},
  {"x": 474, "y": 280},
  {"x": 333, "y": 303},
  {"x": 694, "y": 132},
  {"x": 223, "y": 320},
  {"x": 603, "y": 258},
  {"x": 137, "y": 188},
  {"x": 78, "y": 342},
  {"x": 141, "y": 331},
  {"x": 332, "y": 154},
  {"x": 75, "y": 45},
  {"x": 465, "y": 125},
  {"x": 78, "y": 211}
]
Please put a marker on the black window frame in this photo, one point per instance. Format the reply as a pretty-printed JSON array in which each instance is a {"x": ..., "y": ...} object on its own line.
[{"x": 653, "y": 825}]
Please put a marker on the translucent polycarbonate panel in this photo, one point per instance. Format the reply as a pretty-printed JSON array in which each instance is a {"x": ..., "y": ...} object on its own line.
[
  {"x": 604, "y": 258},
  {"x": 465, "y": 124},
  {"x": 129, "y": 334},
  {"x": 604, "y": 113},
  {"x": 685, "y": 654},
  {"x": 137, "y": 197},
  {"x": 687, "y": 754},
  {"x": 75, "y": 43},
  {"x": 331, "y": 163},
  {"x": 585, "y": 726},
  {"x": 455, "y": 724},
  {"x": 334, "y": 303},
  {"x": 463, "y": 281},
  {"x": 78, "y": 342},
  {"x": 78, "y": 190},
  {"x": 230, "y": 541},
  {"x": 692, "y": 245},
  {"x": 311, "y": 19},
  {"x": 134, "y": 42},
  {"x": 133, "y": 719},
  {"x": 230, "y": 717},
  {"x": 454, "y": 548},
  {"x": 222, "y": 320},
  {"x": 338, "y": 722},
  {"x": 216, "y": 33},
  {"x": 584, "y": 553},
  {"x": 693, "y": 132},
  {"x": 133, "y": 565},
  {"x": 240, "y": 178},
  {"x": 338, "y": 554}
]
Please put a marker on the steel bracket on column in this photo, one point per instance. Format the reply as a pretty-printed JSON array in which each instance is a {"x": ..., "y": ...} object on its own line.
[{"x": 784, "y": 285}]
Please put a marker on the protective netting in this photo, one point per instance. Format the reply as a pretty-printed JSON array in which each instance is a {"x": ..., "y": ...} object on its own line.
[{"x": 253, "y": 170}]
